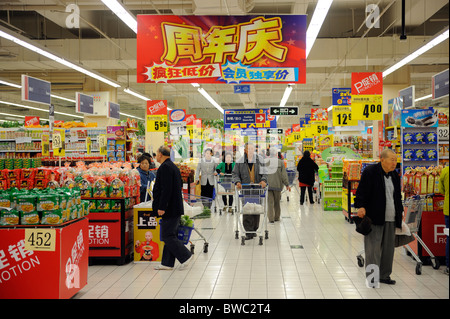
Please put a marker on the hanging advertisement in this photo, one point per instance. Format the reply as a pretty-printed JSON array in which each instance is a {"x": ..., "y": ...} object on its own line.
[
  {"x": 420, "y": 118},
  {"x": 35, "y": 90},
  {"x": 342, "y": 116},
  {"x": 367, "y": 107},
  {"x": 157, "y": 116},
  {"x": 319, "y": 114},
  {"x": 341, "y": 96},
  {"x": 221, "y": 49},
  {"x": 439, "y": 85},
  {"x": 367, "y": 83}
]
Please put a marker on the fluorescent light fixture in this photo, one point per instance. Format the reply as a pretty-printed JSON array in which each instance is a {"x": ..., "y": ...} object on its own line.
[
  {"x": 8, "y": 114},
  {"x": 22, "y": 41},
  {"x": 423, "y": 98},
  {"x": 440, "y": 38},
  {"x": 286, "y": 94},
  {"x": 330, "y": 108},
  {"x": 124, "y": 114},
  {"x": 62, "y": 98},
  {"x": 196, "y": 85},
  {"x": 38, "y": 109},
  {"x": 317, "y": 19},
  {"x": 210, "y": 99},
  {"x": 127, "y": 90},
  {"x": 122, "y": 13},
  {"x": 18, "y": 86}
]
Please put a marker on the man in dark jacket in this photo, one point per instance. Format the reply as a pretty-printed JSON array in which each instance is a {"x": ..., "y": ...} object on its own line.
[
  {"x": 306, "y": 168},
  {"x": 168, "y": 204},
  {"x": 378, "y": 196}
]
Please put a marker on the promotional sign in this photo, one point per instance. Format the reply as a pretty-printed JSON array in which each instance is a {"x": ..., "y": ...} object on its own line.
[
  {"x": 440, "y": 85},
  {"x": 367, "y": 83},
  {"x": 58, "y": 142},
  {"x": 342, "y": 116},
  {"x": 35, "y": 90},
  {"x": 147, "y": 244},
  {"x": 177, "y": 115},
  {"x": 221, "y": 49},
  {"x": 84, "y": 103},
  {"x": 292, "y": 110},
  {"x": 157, "y": 107},
  {"x": 319, "y": 114},
  {"x": 102, "y": 144},
  {"x": 341, "y": 96},
  {"x": 419, "y": 118},
  {"x": 113, "y": 110},
  {"x": 319, "y": 128},
  {"x": 31, "y": 120},
  {"x": 157, "y": 123},
  {"x": 367, "y": 107},
  {"x": 88, "y": 145}
]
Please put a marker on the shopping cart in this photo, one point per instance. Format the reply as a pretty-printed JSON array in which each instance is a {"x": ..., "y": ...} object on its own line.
[
  {"x": 292, "y": 174},
  {"x": 252, "y": 200},
  {"x": 316, "y": 189},
  {"x": 413, "y": 213},
  {"x": 193, "y": 207},
  {"x": 224, "y": 187}
]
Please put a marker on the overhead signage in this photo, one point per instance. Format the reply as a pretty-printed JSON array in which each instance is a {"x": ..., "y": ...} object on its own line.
[
  {"x": 35, "y": 90},
  {"x": 291, "y": 110},
  {"x": 439, "y": 85},
  {"x": 157, "y": 107},
  {"x": 420, "y": 118},
  {"x": 274, "y": 131},
  {"x": 367, "y": 83},
  {"x": 114, "y": 110},
  {"x": 367, "y": 107},
  {"x": 243, "y": 88},
  {"x": 177, "y": 115},
  {"x": 248, "y": 118},
  {"x": 84, "y": 103},
  {"x": 341, "y": 96},
  {"x": 319, "y": 114},
  {"x": 408, "y": 96},
  {"x": 342, "y": 116},
  {"x": 221, "y": 49}
]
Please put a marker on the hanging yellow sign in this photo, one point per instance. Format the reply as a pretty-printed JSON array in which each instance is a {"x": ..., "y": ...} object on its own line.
[
  {"x": 157, "y": 123},
  {"x": 319, "y": 128},
  {"x": 58, "y": 142},
  {"x": 367, "y": 107},
  {"x": 342, "y": 116}
]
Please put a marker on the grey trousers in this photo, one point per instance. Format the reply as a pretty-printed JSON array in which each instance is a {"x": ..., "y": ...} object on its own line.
[
  {"x": 274, "y": 209},
  {"x": 379, "y": 247}
]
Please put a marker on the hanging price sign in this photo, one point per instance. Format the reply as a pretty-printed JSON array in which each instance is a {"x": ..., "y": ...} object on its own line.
[
  {"x": 367, "y": 107},
  {"x": 58, "y": 142},
  {"x": 342, "y": 116},
  {"x": 319, "y": 128},
  {"x": 102, "y": 144},
  {"x": 157, "y": 123}
]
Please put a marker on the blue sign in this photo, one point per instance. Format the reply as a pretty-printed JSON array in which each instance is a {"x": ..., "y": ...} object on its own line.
[
  {"x": 248, "y": 118},
  {"x": 35, "y": 90},
  {"x": 341, "y": 96},
  {"x": 84, "y": 103},
  {"x": 240, "y": 118},
  {"x": 244, "y": 88},
  {"x": 420, "y": 118}
]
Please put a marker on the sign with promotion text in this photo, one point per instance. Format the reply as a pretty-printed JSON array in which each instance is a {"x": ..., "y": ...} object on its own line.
[
  {"x": 157, "y": 116},
  {"x": 221, "y": 49},
  {"x": 367, "y": 83}
]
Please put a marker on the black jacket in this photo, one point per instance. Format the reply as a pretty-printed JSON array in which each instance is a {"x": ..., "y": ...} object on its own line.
[
  {"x": 371, "y": 195},
  {"x": 306, "y": 168},
  {"x": 167, "y": 190}
]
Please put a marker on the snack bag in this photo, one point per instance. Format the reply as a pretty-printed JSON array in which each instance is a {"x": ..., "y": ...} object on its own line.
[
  {"x": 25, "y": 203},
  {"x": 29, "y": 218},
  {"x": 116, "y": 188},
  {"x": 430, "y": 183},
  {"x": 103, "y": 205},
  {"x": 52, "y": 217},
  {"x": 115, "y": 205},
  {"x": 47, "y": 202},
  {"x": 85, "y": 188},
  {"x": 9, "y": 217},
  {"x": 100, "y": 189},
  {"x": 5, "y": 200}
]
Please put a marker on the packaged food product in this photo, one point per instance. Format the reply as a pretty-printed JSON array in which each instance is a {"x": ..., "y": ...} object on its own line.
[
  {"x": 29, "y": 218},
  {"x": 52, "y": 217},
  {"x": 419, "y": 137},
  {"x": 115, "y": 205},
  {"x": 430, "y": 183},
  {"x": 9, "y": 217},
  {"x": 431, "y": 155},
  {"x": 100, "y": 189},
  {"x": 409, "y": 154},
  {"x": 85, "y": 188},
  {"x": 103, "y": 205},
  {"x": 5, "y": 200},
  {"x": 408, "y": 138},
  {"x": 25, "y": 202},
  {"x": 47, "y": 202},
  {"x": 431, "y": 138},
  {"x": 116, "y": 188},
  {"x": 419, "y": 155}
]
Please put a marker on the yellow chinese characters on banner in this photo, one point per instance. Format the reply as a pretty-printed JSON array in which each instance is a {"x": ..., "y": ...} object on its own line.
[{"x": 367, "y": 107}]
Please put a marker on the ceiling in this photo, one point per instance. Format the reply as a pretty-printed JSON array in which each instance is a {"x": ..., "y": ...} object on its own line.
[{"x": 105, "y": 44}]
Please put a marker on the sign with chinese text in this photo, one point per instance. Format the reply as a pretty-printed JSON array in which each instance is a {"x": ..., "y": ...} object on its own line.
[
  {"x": 319, "y": 114},
  {"x": 31, "y": 120},
  {"x": 367, "y": 107},
  {"x": 58, "y": 142},
  {"x": 367, "y": 83},
  {"x": 248, "y": 118},
  {"x": 157, "y": 107},
  {"x": 291, "y": 110},
  {"x": 342, "y": 116},
  {"x": 147, "y": 244},
  {"x": 157, "y": 123},
  {"x": 221, "y": 49},
  {"x": 341, "y": 96}
]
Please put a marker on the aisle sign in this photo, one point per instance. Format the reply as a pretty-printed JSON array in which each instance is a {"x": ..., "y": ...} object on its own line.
[
  {"x": 40, "y": 239},
  {"x": 367, "y": 83},
  {"x": 58, "y": 142},
  {"x": 290, "y": 110},
  {"x": 342, "y": 116},
  {"x": 84, "y": 103},
  {"x": 367, "y": 107},
  {"x": 157, "y": 123},
  {"x": 45, "y": 142},
  {"x": 102, "y": 144},
  {"x": 35, "y": 90},
  {"x": 440, "y": 85}
]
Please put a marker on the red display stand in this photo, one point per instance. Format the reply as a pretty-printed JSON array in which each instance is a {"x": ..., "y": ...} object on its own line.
[{"x": 43, "y": 262}]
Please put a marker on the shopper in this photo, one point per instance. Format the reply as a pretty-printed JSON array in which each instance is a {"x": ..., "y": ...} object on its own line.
[
  {"x": 168, "y": 204},
  {"x": 146, "y": 176},
  {"x": 205, "y": 172},
  {"x": 277, "y": 178},
  {"x": 248, "y": 170},
  {"x": 443, "y": 189},
  {"x": 378, "y": 197},
  {"x": 226, "y": 167},
  {"x": 306, "y": 168}
]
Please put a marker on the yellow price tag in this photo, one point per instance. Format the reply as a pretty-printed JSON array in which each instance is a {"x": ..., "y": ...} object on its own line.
[
  {"x": 342, "y": 116},
  {"x": 319, "y": 128},
  {"x": 157, "y": 123},
  {"x": 58, "y": 142},
  {"x": 88, "y": 145},
  {"x": 102, "y": 144},
  {"x": 367, "y": 107},
  {"x": 40, "y": 239}
]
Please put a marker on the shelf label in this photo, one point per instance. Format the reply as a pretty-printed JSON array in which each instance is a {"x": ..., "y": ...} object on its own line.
[
  {"x": 443, "y": 133},
  {"x": 40, "y": 239}
]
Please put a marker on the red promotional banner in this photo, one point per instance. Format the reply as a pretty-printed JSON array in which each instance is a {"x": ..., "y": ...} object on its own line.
[
  {"x": 295, "y": 127},
  {"x": 367, "y": 83},
  {"x": 31, "y": 120},
  {"x": 221, "y": 49},
  {"x": 190, "y": 119},
  {"x": 319, "y": 114},
  {"x": 157, "y": 107}
]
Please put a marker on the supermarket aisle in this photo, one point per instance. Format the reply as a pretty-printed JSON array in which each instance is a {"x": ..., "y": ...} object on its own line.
[{"x": 310, "y": 253}]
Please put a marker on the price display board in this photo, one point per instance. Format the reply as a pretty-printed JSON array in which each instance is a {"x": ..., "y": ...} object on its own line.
[
  {"x": 319, "y": 128},
  {"x": 443, "y": 133},
  {"x": 40, "y": 239},
  {"x": 342, "y": 116},
  {"x": 102, "y": 144},
  {"x": 58, "y": 142},
  {"x": 367, "y": 107},
  {"x": 157, "y": 123}
]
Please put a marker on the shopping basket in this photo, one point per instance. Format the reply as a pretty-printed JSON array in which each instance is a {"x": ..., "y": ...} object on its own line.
[
  {"x": 413, "y": 207},
  {"x": 252, "y": 200},
  {"x": 224, "y": 186}
]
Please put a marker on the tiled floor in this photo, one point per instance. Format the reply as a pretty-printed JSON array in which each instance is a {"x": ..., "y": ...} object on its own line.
[{"x": 310, "y": 253}]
